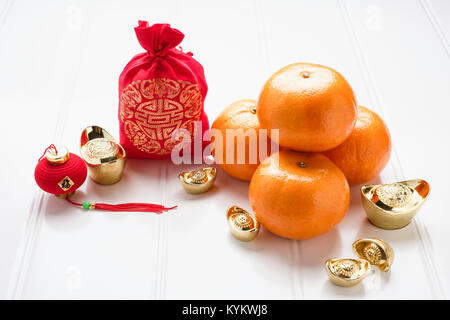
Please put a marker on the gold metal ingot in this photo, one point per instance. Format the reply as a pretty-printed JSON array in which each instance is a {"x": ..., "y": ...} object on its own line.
[
  {"x": 393, "y": 206},
  {"x": 243, "y": 225},
  {"x": 346, "y": 272},
  {"x": 104, "y": 156},
  {"x": 198, "y": 181},
  {"x": 376, "y": 251}
]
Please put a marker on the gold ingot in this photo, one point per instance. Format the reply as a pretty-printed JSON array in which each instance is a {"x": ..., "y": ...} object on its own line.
[
  {"x": 346, "y": 272},
  {"x": 198, "y": 181},
  {"x": 243, "y": 225},
  {"x": 104, "y": 156},
  {"x": 376, "y": 251},
  {"x": 393, "y": 206}
]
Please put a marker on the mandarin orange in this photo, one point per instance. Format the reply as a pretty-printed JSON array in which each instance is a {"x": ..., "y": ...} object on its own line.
[
  {"x": 241, "y": 117},
  {"x": 365, "y": 153},
  {"x": 313, "y": 106},
  {"x": 298, "y": 195}
]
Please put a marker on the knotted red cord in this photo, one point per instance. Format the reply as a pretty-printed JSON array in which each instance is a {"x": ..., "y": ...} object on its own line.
[
  {"x": 52, "y": 146},
  {"x": 124, "y": 207}
]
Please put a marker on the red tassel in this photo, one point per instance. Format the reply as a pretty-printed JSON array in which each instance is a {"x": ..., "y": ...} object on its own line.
[{"x": 125, "y": 207}]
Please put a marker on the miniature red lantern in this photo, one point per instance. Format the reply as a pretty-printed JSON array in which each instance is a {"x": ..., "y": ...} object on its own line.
[{"x": 60, "y": 172}]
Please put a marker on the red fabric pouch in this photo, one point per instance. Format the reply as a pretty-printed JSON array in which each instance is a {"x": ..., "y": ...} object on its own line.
[{"x": 160, "y": 90}]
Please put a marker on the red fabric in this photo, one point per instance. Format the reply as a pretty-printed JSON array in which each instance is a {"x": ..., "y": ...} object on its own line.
[
  {"x": 48, "y": 176},
  {"x": 160, "y": 90}
]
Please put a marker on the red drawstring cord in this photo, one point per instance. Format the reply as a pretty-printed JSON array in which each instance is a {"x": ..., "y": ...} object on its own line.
[{"x": 124, "y": 207}]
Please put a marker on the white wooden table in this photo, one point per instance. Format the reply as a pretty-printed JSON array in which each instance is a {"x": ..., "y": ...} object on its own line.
[{"x": 59, "y": 68}]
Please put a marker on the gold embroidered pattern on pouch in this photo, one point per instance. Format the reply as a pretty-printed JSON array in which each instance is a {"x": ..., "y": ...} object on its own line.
[{"x": 153, "y": 109}]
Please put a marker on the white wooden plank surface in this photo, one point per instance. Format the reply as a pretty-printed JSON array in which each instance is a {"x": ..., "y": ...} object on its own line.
[{"x": 59, "y": 67}]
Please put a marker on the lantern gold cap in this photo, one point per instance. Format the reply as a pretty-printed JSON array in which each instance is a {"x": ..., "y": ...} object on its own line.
[
  {"x": 104, "y": 156},
  {"x": 243, "y": 225},
  {"x": 198, "y": 181},
  {"x": 57, "y": 155},
  {"x": 65, "y": 195},
  {"x": 394, "y": 205},
  {"x": 376, "y": 251},
  {"x": 346, "y": 272}
]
